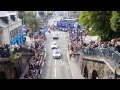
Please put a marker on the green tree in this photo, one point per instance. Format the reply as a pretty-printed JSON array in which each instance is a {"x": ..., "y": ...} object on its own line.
[
  {"x": 115, "y": 23},
  {"x": 99, "y": 21},
  {"x": 30, "y": 19}
]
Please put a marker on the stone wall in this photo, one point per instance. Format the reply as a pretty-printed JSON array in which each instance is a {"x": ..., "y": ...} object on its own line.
[
  {"x": 14, "y": 70},
  {"x": 6, "y": 67},
  {"x": 101, "y": 68}
]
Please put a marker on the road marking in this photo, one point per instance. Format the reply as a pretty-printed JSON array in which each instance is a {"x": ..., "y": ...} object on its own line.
[
  {"x": 41, "y": 71},
  {"x": 61, "y": 61},
  {"x": 55, "y": 71},
  {"x": 55, "y": 62}
]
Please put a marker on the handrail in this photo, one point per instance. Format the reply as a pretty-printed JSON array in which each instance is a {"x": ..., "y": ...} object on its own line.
[{"x": 107, "y": 53}]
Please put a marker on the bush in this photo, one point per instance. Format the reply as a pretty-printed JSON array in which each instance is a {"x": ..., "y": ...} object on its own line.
[{"x": 14, "y": 57}]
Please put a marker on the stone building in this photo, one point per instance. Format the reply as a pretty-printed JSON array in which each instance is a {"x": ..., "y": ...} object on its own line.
[{"x": 10, "y": 26}]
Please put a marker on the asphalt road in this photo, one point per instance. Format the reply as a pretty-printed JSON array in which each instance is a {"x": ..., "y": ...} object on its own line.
[{"x": 56, "y": 68}]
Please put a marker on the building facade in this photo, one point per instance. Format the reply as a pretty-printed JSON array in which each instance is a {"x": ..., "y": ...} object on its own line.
[
  {"x": 73, "y": 13},
  {"x": 45, "y": 12},
  {"x": 10, "y": 27}
]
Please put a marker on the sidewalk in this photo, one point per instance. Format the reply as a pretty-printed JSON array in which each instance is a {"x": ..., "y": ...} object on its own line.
[{"x": 75, "y": 68}]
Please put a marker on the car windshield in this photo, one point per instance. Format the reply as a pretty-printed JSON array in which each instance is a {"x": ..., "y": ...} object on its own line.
[
  {"x": 54, "y": 43},
  {"x": 57, "y": 52}
]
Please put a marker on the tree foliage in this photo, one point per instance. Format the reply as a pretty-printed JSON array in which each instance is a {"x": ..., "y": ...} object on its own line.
[
  {"x": 113, "y": 20},
  {"x": 103, "y": 23},
  {"x": 30, "y": 19}
]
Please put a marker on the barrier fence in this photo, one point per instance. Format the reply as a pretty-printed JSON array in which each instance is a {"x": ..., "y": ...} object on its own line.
[{"x": 107, "y": 53}]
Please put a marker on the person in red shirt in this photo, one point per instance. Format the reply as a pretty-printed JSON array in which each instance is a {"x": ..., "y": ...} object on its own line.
[
  {"x": 45, "y": 61},
  {"x": 33, "y": 53}
]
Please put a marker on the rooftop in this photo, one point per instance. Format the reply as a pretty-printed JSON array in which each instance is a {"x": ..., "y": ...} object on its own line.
[{"x": 5, "y": 13}]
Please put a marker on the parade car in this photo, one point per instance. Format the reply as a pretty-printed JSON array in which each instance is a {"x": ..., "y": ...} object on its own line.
[
  {"x": 54, "y": 45},
  {"x": 55, "y": 36},
  {"x": 56, "y": 54}
]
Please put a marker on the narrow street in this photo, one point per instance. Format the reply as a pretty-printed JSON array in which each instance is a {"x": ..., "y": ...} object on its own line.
[{"x": 57, "y": 68}]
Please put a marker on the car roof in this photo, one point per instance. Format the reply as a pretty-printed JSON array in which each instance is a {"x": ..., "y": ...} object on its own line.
[
  {"x": 56, "y": 50},
  {"x": 54, "y": 42}
]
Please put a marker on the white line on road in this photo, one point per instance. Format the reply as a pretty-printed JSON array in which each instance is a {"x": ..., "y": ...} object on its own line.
[
  {"x": 61, "y": 61},
  {"x": 55, "y": 62},
  {"x": 41, "y": 71},
  {"x": 55, "y": 71}
]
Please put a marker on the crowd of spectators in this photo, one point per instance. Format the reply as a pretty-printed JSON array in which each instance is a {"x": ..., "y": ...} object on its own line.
[
  {"x": 36, "y": 62},
  {"x": 5, "y": 51},
  {"x": 115, "y": 45},
  {"x": 77, "y": 44}
]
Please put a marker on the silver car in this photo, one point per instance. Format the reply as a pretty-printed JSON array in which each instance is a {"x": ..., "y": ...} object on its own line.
[
  {"x": 55, "y": 36},
  {"x": 56, "y": 54},
  {"x": 54, "y": 45}
]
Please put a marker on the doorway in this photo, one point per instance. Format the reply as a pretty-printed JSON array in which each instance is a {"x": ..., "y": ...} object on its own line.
[
  {"x": 94, "y": 75},
  {"x": 85, "y": 73},
  {"x": 2, "y": 75}
]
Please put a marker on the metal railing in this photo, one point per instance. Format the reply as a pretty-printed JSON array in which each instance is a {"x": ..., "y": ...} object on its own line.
[{"x": 107, "y": 53}]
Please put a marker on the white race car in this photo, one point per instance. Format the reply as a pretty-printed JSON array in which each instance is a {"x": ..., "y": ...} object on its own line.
[
  {"x": 54, "y": 45},
  {"x": 55, "y": 36},
  {"x": 56, "y": 54}
]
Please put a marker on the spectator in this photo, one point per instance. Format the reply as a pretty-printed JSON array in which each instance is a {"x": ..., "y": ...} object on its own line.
[
  {"x": 15, "y": 49},
  {"x": 33, "y": 53},
  {"x": 1, "y": 50}
]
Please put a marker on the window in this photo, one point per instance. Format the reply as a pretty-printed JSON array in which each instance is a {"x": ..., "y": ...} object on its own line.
[
  {"x": 5, "y": 19},
  {"x": 12, "y": 17}
]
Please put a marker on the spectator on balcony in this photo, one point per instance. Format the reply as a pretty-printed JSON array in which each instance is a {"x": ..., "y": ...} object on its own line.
[
  {"x": 117, "y": 47},
  {"x": 15, "y": 49},
  {"x": 1, "y": 49}
]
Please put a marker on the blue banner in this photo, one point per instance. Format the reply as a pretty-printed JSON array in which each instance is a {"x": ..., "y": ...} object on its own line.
[
  {"x": 78, "y": 26},
  {"x": 18, "y": 39}
]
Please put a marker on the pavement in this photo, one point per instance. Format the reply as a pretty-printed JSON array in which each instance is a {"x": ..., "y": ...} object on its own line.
[{"x": 74, "y": 67}]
